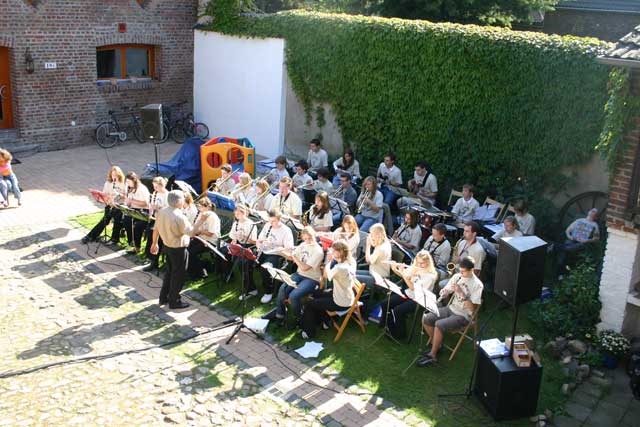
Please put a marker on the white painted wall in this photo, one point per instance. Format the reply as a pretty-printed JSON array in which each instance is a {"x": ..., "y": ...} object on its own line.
[{"x": 239, "y": 89}]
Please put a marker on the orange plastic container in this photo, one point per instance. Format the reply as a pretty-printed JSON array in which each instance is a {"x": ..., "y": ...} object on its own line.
[{"x": 222, "y": 150}]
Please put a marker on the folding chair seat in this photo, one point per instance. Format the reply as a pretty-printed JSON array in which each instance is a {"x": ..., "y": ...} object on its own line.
[
  {"x": 463, "y": 332},
  {"x": 352, "y": 313}
]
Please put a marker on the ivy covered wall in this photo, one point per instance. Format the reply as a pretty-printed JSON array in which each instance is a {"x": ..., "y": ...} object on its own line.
[{"x": 502, "y": 109}]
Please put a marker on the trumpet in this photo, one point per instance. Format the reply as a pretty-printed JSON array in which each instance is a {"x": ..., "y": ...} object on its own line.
[
  {"x": 363, "y": 198},
  {"x": 337, "y": 191}
]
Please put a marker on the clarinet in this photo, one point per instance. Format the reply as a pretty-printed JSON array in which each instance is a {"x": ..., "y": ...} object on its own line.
[{"x": 259, "y": 253}]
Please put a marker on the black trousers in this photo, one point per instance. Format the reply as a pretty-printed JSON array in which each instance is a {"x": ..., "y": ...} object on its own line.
[
  {"x": 134, "y": 230},
  {"x": 196, "y": 247},
  {"x": 267, "y": 281},
  {"x": 395, "y": 318},
  {"x": 177, "y": 261},
  {"x": 314, "y": 311},
  {"x": 109, "y": 214},
  {"x": 147, "y": 247}
]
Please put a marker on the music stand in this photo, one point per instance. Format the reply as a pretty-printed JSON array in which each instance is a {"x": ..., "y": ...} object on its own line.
[
  {"x": 391, "y": 288},
  {"x": 185, "y": 187},
  {"x": 245, "y": 253},
  {"x": 281, "y": 275},
  {"x": 339, "y": 206},
  {"x": 105, "y": 199},
  {"x": 133, "y": 213},
  {"x": 402, "y": 249},
  {"x": 427, "y": 300}
]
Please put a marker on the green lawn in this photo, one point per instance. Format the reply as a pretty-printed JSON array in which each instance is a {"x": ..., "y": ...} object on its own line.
[{"x": 378, "y": 368}]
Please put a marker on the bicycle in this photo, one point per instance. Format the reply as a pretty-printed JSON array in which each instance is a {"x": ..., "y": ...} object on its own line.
[
  {"x": 187, "y": 127},
  {"x": 110, "y": 132}
]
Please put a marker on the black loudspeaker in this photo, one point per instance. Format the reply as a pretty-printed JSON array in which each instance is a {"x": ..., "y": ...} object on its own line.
[
  {"x": 520, "y": 269},
  {"x": 151, "y": 116},
  {"x": 508, "y": 392}
]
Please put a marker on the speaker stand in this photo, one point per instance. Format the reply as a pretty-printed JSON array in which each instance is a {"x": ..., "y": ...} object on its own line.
[
  {"x": 155, "y": 149},
  {"x": 467, "y": 393},
  {"x": 516, "y": 310}
]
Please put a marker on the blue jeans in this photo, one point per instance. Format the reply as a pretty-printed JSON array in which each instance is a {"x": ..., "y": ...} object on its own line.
[
  {"x": 305, "y": 287},
  {"x": 365, "y": 277},
  {"x": 337, "y": 219},
  {"x": 13, "y": 179},
  {"x": 389, "y": 196},
  {"x": 365, "y": 222}
]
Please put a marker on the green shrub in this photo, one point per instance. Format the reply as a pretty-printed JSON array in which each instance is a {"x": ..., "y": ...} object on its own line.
[{"x": 574, "y": 309}]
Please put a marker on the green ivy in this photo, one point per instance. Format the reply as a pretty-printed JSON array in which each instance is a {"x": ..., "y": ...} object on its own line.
[
  {"x": 619, "y": 110},
  {"x": 502, "y": 109}
]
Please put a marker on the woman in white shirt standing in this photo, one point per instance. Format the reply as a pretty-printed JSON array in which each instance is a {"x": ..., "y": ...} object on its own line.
[
  {"x": 207, "y": 228},
  {"x": 113, "y": 187},
  {"x": 307, "y": 256},
  {"x": 340, "y": 270},
  {"x": 421, "y": 273}
]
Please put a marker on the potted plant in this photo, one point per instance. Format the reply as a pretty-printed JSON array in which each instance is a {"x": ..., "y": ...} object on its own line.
[{"x": 613, "y": 347}]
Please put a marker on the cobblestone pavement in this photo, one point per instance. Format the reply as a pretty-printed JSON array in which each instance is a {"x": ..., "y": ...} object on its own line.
[{"x": 62, "y": 302}]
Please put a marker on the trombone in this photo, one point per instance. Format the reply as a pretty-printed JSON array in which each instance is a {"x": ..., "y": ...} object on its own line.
[
  {"x": 337, "y": 191},
  {"x": 234, "y": 193},
  {"x": 216, "y": 187}
]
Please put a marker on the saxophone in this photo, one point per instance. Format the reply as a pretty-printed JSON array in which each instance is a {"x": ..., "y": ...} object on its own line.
[{"x": 306, "y": 217}]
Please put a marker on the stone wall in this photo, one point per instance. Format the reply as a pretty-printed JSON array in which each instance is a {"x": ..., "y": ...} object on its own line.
[{"x": 54, "y": 108}]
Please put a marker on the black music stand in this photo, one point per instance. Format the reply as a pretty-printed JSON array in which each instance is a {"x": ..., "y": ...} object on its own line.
[
  {"x": 429, "y": 303},
  {"x": 391, "y": 288},
  {"x": 339, "y": 206},
  {"x": 246, "y": 253},
  {"x": 235, "y": 259},
  {"x": 105, "y": 199}
]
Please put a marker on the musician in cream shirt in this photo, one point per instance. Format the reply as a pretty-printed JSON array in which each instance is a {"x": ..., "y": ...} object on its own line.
[
  {"x": 526, "y": 221},
  {"x": 377, "y": 254},
  {"x": 158, "y": 202},
  {"x": 466, "y": 291},
  {"x": 320, "y": 216},
  {"x": 317, "y": 157},
  {"x": 469, "y": 246},
  {"x": 409, "y": 234},
  {"x": 465, "y": 206},
  {"x": 323, "y": 183},
  {"x": 439, "y": 248},
  {"x": 137, "y": 197},
  {"x": 243, "y": 232},
  {"x": 307, "y": 257},
  {"x": 340, "y": 270},
  {"x": 349, "y": 233},
  {"x": 510, "y": 229},
  {"x": 286, "y": 201},
  {"x": 368, "y": 204},
  {"x": 389, "y": 174},
  {"x": 424, "y": 185},
  {"x": 225, "y": 184},
  {"x": 207, "y": 228},
  {"x": 115, "y": 188},
  {"x": 243, "y": 192},
  {"x": 274, "y": 237},
  {"x": 346, "y": 164},
  {"x": 301, "y": 179},
  {"x": 263, "y": 198}
]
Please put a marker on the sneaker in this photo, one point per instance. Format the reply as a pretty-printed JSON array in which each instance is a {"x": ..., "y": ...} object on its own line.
[
  {"x": 325, "y": 326},
  {"x": 248, "y": 295},
  {"x": 205, "y": 273},
  {"x": 19, "y": 202},
  {"x": 266, "y": 298},
  {"x": 426, "y": 361},
  {"x": 304, "y": 335}
]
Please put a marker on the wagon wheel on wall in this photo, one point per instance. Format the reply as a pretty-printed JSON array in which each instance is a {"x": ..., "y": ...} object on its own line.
[{"x": 578, "y": 207}]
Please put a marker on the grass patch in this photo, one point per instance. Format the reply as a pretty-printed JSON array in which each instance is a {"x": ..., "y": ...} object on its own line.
[{"x": 378, "y": 368}]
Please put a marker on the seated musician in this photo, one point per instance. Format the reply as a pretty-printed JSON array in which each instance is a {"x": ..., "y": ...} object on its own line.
[
  {"x": 466, "y": 291},
  {"x": 301, "y": 179},
  {"x": 409, "y": 234},
  {"x": 189, "y": 208},
  {"x": 389, "y": 174},
  {"x": 465, "y": 206},
  {"x": 424, "y": 185},
  {"x": 439, "y": 248},
  {"x": 468, "y": 246},
  {"x": 243, "y": 192},
  {"x": 421, "y": 273},
  {"x": 347, "y": 194},
  {"x": 113, "y": 187},
  {"x": 286, "y": 201},
  {"x": 279, "y": 172},
  {"x": 510, "y": 229},
  {"x": 320, "y": 218},
  {"x": 346, "y": 164},
  {"x": 206, "y": 227},
  {"x": 273, "y": 238},
  {"x": 368, "y": 204},
  {"x": 526, "y": 221},
  {"x": 263, "y": 198},
  {"x": 323, "y": 183},
  {"x": 158, "y": 202},
  {"x": 137, "y": 197},
  {"x": 307, "y": 257},
  {"x": 243, "y": 232},
  {"x": 377, "y": 254},
  {"x": 339, "y": 269},
  {"x": 317, "y": 157},
  {"x": 349, "y": 233},
  {"x": 578, "y": 235},
  {"x": 225, "y": 184}
]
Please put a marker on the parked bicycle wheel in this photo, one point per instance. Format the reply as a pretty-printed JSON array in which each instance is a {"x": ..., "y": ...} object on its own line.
[
  {"x": 178, "y": 133},
  {"x": 165, "y": 133},
  {"x": 138, "y": 133},
  {"x": 198, "y": 129},
  {"x": 106, "y": 135}
]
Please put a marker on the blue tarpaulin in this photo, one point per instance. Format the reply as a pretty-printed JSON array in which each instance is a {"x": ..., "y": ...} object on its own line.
[{"x": 185, "y": 165}]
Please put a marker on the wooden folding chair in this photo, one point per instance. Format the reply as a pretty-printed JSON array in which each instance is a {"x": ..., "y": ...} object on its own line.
[
  {"x": 490, "y": 201},
  {"x": 508, "y": 210},
  {"x": 454, "y": 193},
  {"x": 353, "y": 312},
  {"x": 464, "y": 333}
]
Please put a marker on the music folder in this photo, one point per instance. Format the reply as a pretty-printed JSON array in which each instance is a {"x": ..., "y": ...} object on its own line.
[
  {"x": 209, "y": 246},
  {"x": 100, "y": 197}
]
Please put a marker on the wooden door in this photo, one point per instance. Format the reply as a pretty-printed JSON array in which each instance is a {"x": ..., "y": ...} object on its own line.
[{"x": 6, "y": 114}]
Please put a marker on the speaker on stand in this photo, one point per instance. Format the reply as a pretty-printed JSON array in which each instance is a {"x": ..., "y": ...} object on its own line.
[{"x": 152, "y": 129}]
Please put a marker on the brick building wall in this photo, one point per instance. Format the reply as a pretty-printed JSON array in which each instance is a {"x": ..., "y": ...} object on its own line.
[{"x": 68, "y": 32}]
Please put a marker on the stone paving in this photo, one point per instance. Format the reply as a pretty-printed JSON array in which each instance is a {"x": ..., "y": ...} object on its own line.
[{"x": 63, "y": 302}]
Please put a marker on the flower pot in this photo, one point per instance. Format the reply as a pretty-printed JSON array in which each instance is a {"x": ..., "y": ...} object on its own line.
[{"x": 610, "y": 361}]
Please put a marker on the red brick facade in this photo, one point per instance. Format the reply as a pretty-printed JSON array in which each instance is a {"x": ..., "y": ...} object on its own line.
[
  {"x": 620, "y": 186},
  {"x": 68, "y": 32}
]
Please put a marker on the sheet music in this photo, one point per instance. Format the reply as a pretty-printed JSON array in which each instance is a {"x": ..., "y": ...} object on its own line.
[
  {"x": 280, "y": 275},
  {"x": 486, "y": 213},
  {"x": 297, "y": 224},
  {"x": 425, "y": 298},
  {"x": 209, "y": 246},
  {"x": 342, "y": 206},
  {"x": 494, "y": 228},
  {"x": 387, "y": 284}
]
